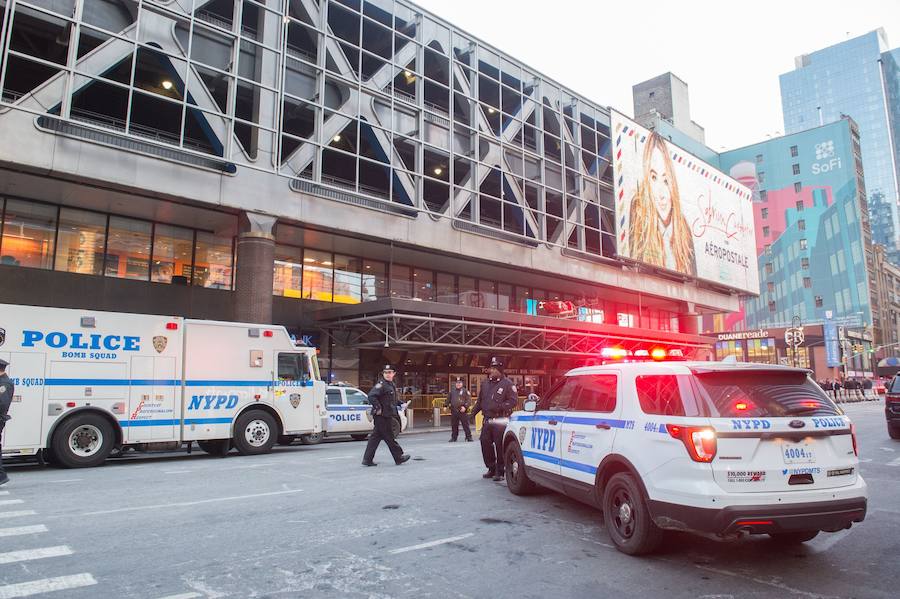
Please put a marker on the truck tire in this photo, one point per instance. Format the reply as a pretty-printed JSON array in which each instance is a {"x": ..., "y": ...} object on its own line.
[
  {"x": 894, "y": 431},
  {"x": 359, "y": 437},
  {"x": 312, "y": 438},
  {"x": 286, "y": 439},
  {"x": 255, "y": 432},
  {"x": 627, "y": 517},
  {"x": 517, "y": 480},
  {"x": 216, "y": 447},
  {"x": 82, "y": 441},
  {"x": 396, "y": 427},
  {"x": 793, "y": 538}
]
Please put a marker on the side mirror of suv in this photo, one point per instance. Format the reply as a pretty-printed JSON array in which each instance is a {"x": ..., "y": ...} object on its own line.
[{"x": 531, "y": 403}]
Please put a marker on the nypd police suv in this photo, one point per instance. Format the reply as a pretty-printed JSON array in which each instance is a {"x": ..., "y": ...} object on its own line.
[
  {"x": 721, "y": 449},
  {"x": 89, "y": 382}
]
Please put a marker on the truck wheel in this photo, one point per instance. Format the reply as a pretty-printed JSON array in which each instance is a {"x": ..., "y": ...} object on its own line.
[
  {"x": 216, "y": 447},
  {"x": 255, "y": 432},
  {"x": 359, "y": 437},
  {"x": 396, "y": 427},
  {"x": 286, "y": 439},
  {"x": 894, "y": 431},
  {"x": 312, "y": 438},
  {"x": 627, "y": 517},
  {"x": 517, "y": 480},
  {"x": 793, "y": 538},
  {"x": 82, "y": 441}
]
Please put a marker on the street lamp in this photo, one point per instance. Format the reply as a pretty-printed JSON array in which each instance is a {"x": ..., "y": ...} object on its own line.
[{"x": 796, "y": 325}]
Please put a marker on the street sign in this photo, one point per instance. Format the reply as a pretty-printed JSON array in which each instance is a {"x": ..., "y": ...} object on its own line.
[{"x": 794, "y": 336}]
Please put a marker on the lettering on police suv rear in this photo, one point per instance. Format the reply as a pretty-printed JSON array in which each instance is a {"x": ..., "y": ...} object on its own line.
[
  {"x": 213, "y": 402},
  {"x": 829, "y": 422},
  {"x": 543, "y": 439},
  {"x": 750, "y": 424}
]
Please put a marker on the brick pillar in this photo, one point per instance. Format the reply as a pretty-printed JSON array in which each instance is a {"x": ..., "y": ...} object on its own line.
[{"x": 254, "y": 273}]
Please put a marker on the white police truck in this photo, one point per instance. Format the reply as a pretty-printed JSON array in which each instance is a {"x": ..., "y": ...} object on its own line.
[
  {"x": 706, "y": 447},
  {"x": 90, "y": 382}
]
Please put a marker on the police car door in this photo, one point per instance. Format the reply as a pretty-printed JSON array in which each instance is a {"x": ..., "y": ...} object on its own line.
[
  {"x": 357, "y": 404},
  {"x": 590, "y": 426},
  {"x": 334, "y": 405},
  {"x": 541, "y": 443}
]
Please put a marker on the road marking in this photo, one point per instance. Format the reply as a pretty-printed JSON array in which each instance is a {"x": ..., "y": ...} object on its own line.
[
  {"x": 46, "y": 585},
  {"x": 865, "y": 460},
  {"x": 30, "y": 554},
  {"x": 823, "y": 544},
  {"x": 16, "y": 514},
  {"x": 890, "y": 449},
  {"x": 340, "y": 457},
  {"x": 66, "y": 480},
  {"x": 22, "y": 530},
  {"x": 183, "y": 596},
  {"x": 187, "y": 503},
  {"x": 762, "y": 581},
  {"x": 894, "y": 462},
  {"x": 10, "y": 501},
  {"x": 177, "y": 472},
  {"x": 431, "y": 543}
]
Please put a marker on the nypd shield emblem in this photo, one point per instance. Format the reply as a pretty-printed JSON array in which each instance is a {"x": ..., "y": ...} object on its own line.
[
  {"x": 522, "y": 435},
  {"x": 295, "y": 400},
  {"x": 159, "y": 344},
  {"x": 2, "y": 336}
]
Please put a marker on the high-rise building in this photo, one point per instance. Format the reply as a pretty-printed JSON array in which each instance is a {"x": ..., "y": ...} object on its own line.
[
  {"x": 859, "y": 77},
  {"x": 665, "y": 97}
]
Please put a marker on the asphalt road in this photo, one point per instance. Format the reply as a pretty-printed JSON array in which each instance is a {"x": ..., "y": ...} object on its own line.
[{"x": 311, "y": 522}]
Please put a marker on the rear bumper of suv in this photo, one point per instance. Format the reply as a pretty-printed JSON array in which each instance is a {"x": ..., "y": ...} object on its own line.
[{"x": 821, "y": 515}]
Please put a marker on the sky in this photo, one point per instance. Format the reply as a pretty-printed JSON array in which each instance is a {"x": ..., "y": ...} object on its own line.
[{"x": 730, "y": 54}]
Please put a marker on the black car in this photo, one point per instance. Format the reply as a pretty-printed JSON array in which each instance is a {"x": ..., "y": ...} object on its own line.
[{"x": 892, "y": 407}]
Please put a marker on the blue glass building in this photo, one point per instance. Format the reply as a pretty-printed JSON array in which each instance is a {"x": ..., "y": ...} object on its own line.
[{"x": 860, "y": 78}]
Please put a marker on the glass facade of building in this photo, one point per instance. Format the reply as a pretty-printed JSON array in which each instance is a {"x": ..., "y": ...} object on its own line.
[
  {"x": 368, "y": 97},
  {"x": 859, "y": 78}
]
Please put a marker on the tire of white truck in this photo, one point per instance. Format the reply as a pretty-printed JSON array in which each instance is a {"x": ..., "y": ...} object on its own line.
[
  {"x": 216, "y": 447},
  {"x": 255, "y": 432},
  {"x": 82, "y": 441},
  {"x": 312, "y": 438}
]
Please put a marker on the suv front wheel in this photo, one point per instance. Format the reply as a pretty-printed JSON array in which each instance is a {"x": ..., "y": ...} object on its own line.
[
  {"x": 894, "y": 430},
  {"x": 627, "y": 517},
  {"x": 517, "y": 480}
]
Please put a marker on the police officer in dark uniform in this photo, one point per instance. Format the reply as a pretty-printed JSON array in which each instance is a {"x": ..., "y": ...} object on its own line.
[
  {"x": 458, "y": 400},
  {"x": 384, "y": 402},
  {"x": 6, "y": 394},
  {"x": 496, "y": 400}
]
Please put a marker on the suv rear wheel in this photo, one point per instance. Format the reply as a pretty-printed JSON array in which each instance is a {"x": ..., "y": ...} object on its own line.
[
  {"x": 894, "y": 431},
  {"x": 627, "y": 516}
]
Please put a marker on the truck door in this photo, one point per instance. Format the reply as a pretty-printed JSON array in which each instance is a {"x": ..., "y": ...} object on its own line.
[
  {"x": 138, "y": 426},
  {"x": 27, "y": 407},
  {"x": 163, "y": 399},
  {"x": 294, "y": 393}
]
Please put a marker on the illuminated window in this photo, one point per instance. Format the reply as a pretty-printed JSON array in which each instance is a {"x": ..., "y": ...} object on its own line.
[
  {"x": 173, "y": 249},
  {"x": 28, "y": 235},
  {"x": 347, "y": 279},
  {"x": 318, "y": 275},
  {"x": 80, "y": 242},
  {"x": 213, "y": 261},
  {"x": 128, "y": 249},
  {"x": 288, "y": 279}
]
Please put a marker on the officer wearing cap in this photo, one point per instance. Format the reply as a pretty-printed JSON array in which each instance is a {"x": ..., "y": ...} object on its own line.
[
  {"x": 384, "y": 402},
  {"x": 458, "y": 401},
  {"x": 6, "y": 394},
  {"x": 496, "y": 400}
]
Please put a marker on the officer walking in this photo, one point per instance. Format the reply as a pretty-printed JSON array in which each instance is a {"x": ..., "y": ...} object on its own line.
[
  {"x": 6, "y": 394},
  {"x": 383, "y": 398},
  {"x": 496, "y": 400},
  {"x": 458, "y": 400}
]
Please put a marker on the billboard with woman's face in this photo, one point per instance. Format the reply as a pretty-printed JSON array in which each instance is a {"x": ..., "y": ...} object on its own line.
[{"x": 677, "y": 213}]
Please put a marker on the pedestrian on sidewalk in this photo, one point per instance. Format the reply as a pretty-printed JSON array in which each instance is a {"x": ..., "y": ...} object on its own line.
[
  {"x": 458, "y": 400},
  {"x": 837, "y": 390},
  {"x": 496, "y": 399},
  {"x": 384, "y": 401},
  {"x": 867, "y": 388},
  {"x": 7, "y": 388}
]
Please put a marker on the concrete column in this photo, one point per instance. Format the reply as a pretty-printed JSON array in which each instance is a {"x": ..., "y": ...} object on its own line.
[
  {"x": 689, "y": 320},
  {"x": 255, "y": 264}
]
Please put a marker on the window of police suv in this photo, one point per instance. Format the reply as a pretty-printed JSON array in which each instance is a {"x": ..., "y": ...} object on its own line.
[
  {"x": 752, "y": 394},
  {"x": 667, "y": 395}
]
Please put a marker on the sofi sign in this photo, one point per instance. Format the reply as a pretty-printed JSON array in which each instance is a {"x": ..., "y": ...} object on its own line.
[{"x": 826, "y": 161}]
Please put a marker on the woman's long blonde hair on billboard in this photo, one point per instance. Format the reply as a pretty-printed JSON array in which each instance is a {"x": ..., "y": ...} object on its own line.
[{"x": 645, "y": 233}]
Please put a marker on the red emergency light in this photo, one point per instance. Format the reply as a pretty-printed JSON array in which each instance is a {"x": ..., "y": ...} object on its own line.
[
  {"x": 171, "y": 326},
  {"x": 268, "y": 334}
]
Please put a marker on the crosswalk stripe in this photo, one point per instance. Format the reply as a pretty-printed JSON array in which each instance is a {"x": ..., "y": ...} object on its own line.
[
  {"x": 16, "y": 514},
  {"x": 10, "y": 501},
  {"x": 22, "y": 530},
  {"x": 30, "y": 554},
  {"x": 46, "y": 585}
]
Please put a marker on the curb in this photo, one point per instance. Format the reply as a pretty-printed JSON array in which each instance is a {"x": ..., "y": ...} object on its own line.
[{"x": 425, "y": 431}]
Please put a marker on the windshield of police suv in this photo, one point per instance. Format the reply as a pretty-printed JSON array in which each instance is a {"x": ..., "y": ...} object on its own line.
[{"x": 757, "y": 394}]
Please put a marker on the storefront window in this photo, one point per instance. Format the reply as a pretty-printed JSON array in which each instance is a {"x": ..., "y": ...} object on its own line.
[
  {"x": 730, "y": 348},
  {"x": 374, "y": 280},
  {"x": 504, "y": 297},
  {"x": 468, "y": 295},
  {"x": 213, "y": 261},
  {"x": 28, "y": 234},
  {"x": 762, "y": 351},
  {"x": 488, "y": 290},
  {"x": 423, "y": 280},
  {"x": 173, "y": 253},
  {"x": 288, "y": 279},
  {"x": 446, "y": 288},
  {"x": 128, "y": 249},
  {"x": 80, "y": 242},
  {"x": 347, "y": 280},
  {"x": 520, "y": 299},
  {"x": 401, "y": 281},
  {"x": 317, "y": 275}
]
